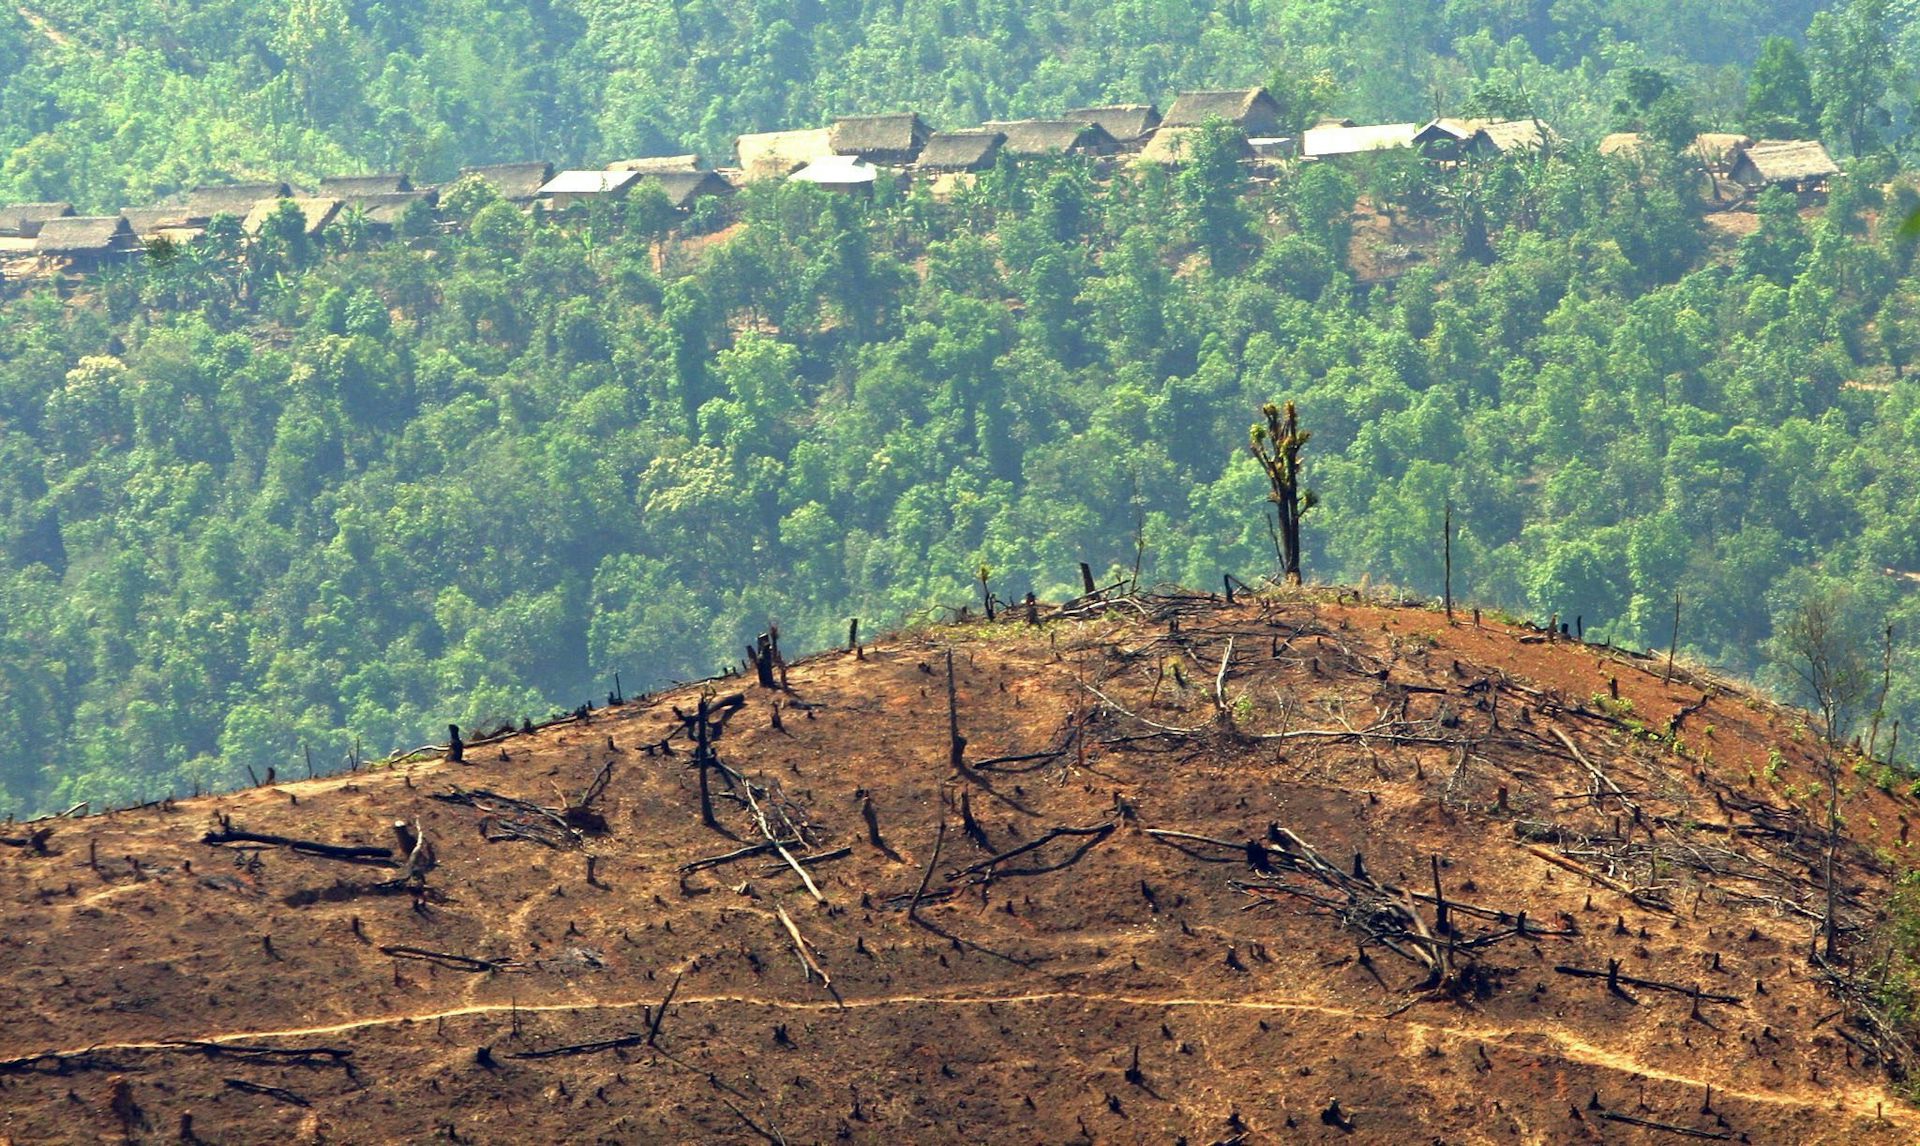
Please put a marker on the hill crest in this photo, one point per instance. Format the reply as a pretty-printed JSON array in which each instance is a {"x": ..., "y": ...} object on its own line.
[{"x": 1185, "y": 882}]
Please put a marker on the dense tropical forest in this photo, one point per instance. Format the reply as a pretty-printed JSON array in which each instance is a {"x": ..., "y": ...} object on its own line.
[{"x": 260, "y": 498}]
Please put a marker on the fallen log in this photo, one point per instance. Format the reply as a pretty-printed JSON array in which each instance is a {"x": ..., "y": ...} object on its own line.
[
  {"x": 1649, "y": 984},
  {"x": 449, "y": 959},
  {"x": 352, "y": 853},
  {"x": 277, "y": 1093},
  {"x": 588, "y": 1048}
]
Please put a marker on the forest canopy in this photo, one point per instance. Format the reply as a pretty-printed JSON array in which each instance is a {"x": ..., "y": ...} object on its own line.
[{"x": 271, "y": 496}]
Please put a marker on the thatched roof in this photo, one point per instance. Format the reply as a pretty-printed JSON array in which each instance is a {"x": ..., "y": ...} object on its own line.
[
  {"x": 318, "y": 213},
  {"x": 1773, "y": 161},
  {"x": 585, "y": 182},
  {"x": 153, "y": 220},
  {"x": 900, "y": 134},
  {"x": 1126, "y": 122},
  {"x": 514, "y": 181},
  {"x": 1621, "y": 142},
  {"x": 1055, "y": 137},
  {"x": 85, "y": 235},
  {"x": 837, "y": 171},
  {"x": 974, "y": 150},
  {"x": 1716, "y": 149},
  {"x": 1507, "y": 136},
  {"x": 386, "y": 208},
  {"x": 777, "y": 154},
  {"x": 347, "y": 186},
  {"x": 234, "y": 199},
  {"x": 25, "y": 219},
  {"x": 1327, "y": 142},
  {"x": 1250, "y": 109},
  {"x": 658, "y": 163},
  {"x": 683, "y": 187},
  {"x": 1170, "y": 146}
]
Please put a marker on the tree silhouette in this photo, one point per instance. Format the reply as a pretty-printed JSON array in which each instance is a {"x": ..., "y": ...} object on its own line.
[{"x": 1277, "y": 445}]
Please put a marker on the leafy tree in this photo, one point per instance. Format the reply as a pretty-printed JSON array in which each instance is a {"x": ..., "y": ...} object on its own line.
[{"x": 1779, "y": 93}]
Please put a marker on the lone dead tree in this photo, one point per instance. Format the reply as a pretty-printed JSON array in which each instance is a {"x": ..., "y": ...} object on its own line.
[
  {"x": 1276, "y": 445},
  {"x": 703, "y": 726}
]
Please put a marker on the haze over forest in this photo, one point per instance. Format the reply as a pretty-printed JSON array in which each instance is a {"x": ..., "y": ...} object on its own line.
[{"x": 270, "y": 494}]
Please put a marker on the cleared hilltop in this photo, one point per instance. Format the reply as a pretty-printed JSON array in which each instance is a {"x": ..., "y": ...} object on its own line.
[{"x": 1220, "y": 832}]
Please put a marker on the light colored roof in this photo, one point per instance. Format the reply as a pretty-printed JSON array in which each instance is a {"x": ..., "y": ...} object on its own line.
[
  {"x": 1235, "y": 105},
  {"x": 344, "y": 186},
  {"x": 587, "y": 182},
  {"x": 386, "y": 208},
  {"x": 513, "y": 180},
  {"x": 85, "y": 234},
  {"x": 837, "y": 171},
  {"x": 777, "y": 154},
  {"x": 1054, "y": 136},
  {"x": 1323, "y": 142},
  {"x": 658, "y": 163},
  {"x": 1781, "y": 161},
  {"x": 1123, "y": 121},
  {"x": 1170, "y": 146},
  {"x": 961, "y": 150},
  {"x": 318, "y": 212}
]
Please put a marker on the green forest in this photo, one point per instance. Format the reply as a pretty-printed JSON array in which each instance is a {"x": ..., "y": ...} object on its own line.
[{"x": 263, "y": 498}]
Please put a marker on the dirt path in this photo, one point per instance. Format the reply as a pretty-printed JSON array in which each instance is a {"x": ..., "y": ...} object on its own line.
[
  {"x": 40, "y": 25},
  {"x": 1525, "y": 1039}
]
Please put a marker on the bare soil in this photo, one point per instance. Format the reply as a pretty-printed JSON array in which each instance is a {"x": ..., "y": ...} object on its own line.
[{"x": 149, "y": 977}]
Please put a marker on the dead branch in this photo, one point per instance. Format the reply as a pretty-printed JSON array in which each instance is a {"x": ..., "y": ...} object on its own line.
[
  {"x": 587, "y": 1048},
  {"x": 277, "y": 1093},
  {"x": 1098, "y": 832},
  {"x": 747, "y": 852}
]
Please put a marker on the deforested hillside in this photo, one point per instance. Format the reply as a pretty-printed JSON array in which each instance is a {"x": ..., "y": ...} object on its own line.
[{"x": 1298, "y": 867}]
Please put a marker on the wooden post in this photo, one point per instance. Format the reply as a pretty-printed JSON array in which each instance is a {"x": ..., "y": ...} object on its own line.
[
  {"x": 1673, "y": 644},
  {"x": 703, "y": 753},
  {"x": 1440, "y": 924},
  {"x": 456, "y": 750},
  {"x": 1448, "y": 559},
  {"x": 1086, "y": 578},
  {"x": 853, "y": 633},
  {"x": 308, "y": 753}
]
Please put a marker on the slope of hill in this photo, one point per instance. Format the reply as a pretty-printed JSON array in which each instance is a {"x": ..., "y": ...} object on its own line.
[{"x": 1184, "y": 884}]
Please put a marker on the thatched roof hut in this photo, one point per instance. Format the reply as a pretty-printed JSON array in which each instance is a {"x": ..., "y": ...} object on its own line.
[
  {"x": 1450, "y": 138},
  {"x": 317, "y": 212},
  {"x": 1792, "y": 163},
  {"x": 147, "y": 221},
  {"x": 1126, "y": 122},
  {"x": 778, "y": 154},
  {"x": 383, "y": 211},
  {"x": 24, "y": 220},
  {"x": 976, "y": 150},
  {"x": 1717, "y": 150},
  {"x": 86, "y": 240},
  {"x": 1621, "y": 143},
  {"x": 1252, "y": 110},
  {"x": 1172, "y": 146},
  {"x": 350, "y": 186},
  {"x": 234, "y": 199},
  {"x": 1335, "y": 141},
  {"x": 654, "y": 164},
  {"x": 683, "y": 187},
  {"x": 515, "y": 182},
  {"x": 891, "y": 139},
  {"x": 1055, "y": 137}
]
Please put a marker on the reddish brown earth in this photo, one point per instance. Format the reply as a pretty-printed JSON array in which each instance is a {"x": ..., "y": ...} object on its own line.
[{"x": 167, "y": 977}]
